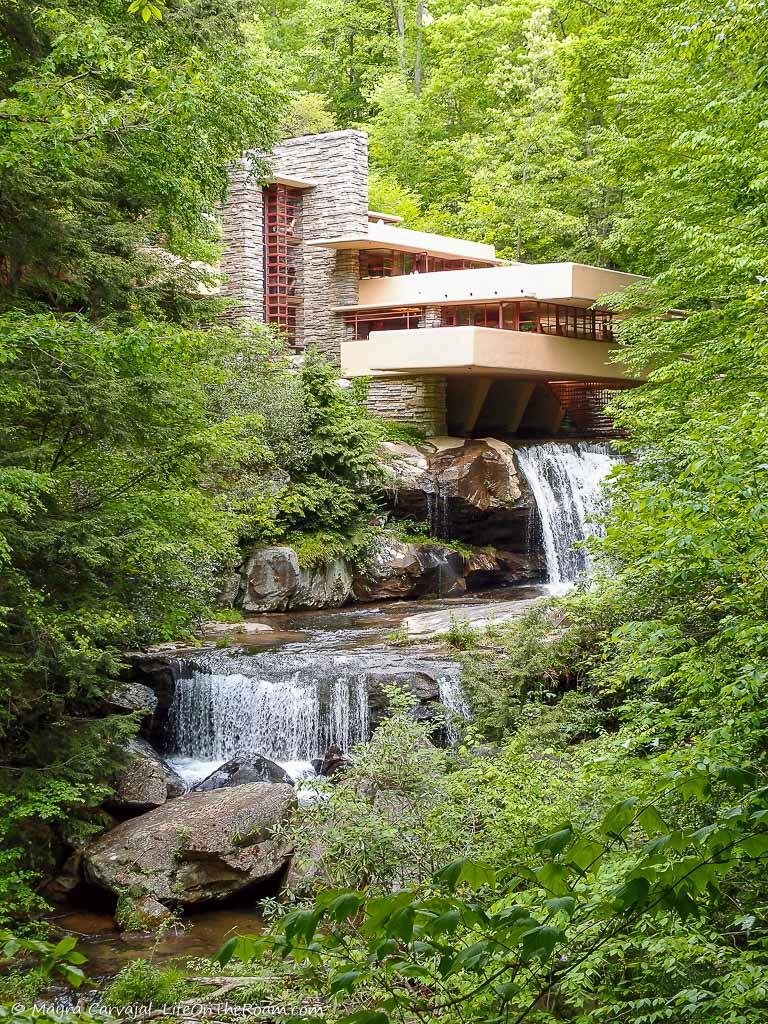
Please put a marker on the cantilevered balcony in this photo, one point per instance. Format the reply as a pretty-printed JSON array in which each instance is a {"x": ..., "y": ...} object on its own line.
[{"x": 485, "y": 351}]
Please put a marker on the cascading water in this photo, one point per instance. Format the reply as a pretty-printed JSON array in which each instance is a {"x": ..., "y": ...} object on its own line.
[
  {"x": 288, "y": 707},
  {"x": 566, "y": 481},
  {"x": 452, "y": 697}
]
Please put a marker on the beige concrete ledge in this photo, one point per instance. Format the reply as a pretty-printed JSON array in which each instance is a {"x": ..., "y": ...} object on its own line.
[
  {"x": 388, "y": 236},
  {"x": 482, "y": 350},
  {"x": 573, "y": 284}
]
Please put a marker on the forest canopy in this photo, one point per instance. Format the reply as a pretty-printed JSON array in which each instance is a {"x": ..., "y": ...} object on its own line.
[{"x": 595, "y": 847}]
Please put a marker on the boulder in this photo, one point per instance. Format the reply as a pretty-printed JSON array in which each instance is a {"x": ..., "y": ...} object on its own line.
[
  {"x": 333, "y": 761},
  {"x": 143, "y": 914},
  {"x": 428, "y": 623},
  {"x": 398, "y": 569},
  {"x": 199, "y": 848},
  {"x": 489, "y": 567},
  {"x": 130, "y": 696},
  {"x": 241, "y": 770},
  {"x": 274, "y": 581},
  {"x": 146, "y": 781},
  {"x": 470, "y": 490}
]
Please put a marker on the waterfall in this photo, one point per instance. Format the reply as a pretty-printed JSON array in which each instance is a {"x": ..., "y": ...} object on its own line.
[
  {"x": 566, "y": 483},
  {"x": 289, "y": 707},
  {"x": 452, "y": 697}
]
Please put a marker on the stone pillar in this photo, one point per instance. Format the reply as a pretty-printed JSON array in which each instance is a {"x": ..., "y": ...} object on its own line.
[
  {"x": 466, "y": 397},
  {"x": 431, "y": 317},
  {"x": 415, "y": 401},
  {"x": 336, "y": 205},
  {"x": 242, "y": 260}
]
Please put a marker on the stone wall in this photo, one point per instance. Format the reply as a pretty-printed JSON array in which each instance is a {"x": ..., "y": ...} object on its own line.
[
  {"x": 336, "y": 205},
  {"x": 417, "y": 401},
  {"x": 242, "y": 260}
]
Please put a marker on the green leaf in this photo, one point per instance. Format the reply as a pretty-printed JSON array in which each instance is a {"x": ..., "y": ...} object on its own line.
[
  {"x": 474, "y": 873},
  {"x": 586, "y": 854},
  {"x": 345, "y": 906},
  {"x": 619, "y": 817},
  {"x": 345, "y": 981},
  {"x": 631, "y": 893},
  {"x": 554, "y": 877},
  {"x": 445, "y": 923},
  {"x": 652, "y": 822},
  {"x": 556, "y": 842},
  {"x": 64, "y": 946},
  {"x": 561, "y": 905},
  {"x": 755, "y": 846},
  {"x": 366, "y": 1017},
  {"x": 226, "y": 952},
  {"x": 539, "y": 942}
]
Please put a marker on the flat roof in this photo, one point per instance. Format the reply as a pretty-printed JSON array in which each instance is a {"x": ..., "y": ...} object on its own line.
[
  {"x": 284, "y": 179},
  {"x": 388, "y": 236},
  {"x": 388, "y": 218}
]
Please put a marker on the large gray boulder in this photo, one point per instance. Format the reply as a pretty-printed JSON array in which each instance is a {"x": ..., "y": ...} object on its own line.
[
  {"x": 202, "y": 847},
  {"x": 243, "y": 769},
  {"x": 145, "y": 781},
  {"x": 272, "y": 580}
]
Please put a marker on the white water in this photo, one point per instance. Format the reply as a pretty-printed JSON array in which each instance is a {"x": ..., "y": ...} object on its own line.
[
  {"x": 566, "y": 483},
  {"x": 452, "y": 697},
  {"x": 289, "y": 708}
]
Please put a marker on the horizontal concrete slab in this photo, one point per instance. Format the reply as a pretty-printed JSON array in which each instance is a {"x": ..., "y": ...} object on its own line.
[
  {"x": 481, "y": 350},
  {"x": 574, "y": 284}
]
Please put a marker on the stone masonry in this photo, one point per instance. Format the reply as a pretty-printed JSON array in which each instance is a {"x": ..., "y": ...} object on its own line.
[
  {"x": 242, "y": 260},
  {"x": 334, "y": 166},
  {"x": 416, "y": 401}
]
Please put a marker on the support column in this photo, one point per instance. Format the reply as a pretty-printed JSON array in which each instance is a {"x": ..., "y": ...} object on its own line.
[
  {"x": 544, "y": 413},
  {"x": 466, "y": 396},
  {"x": 242, "y": 260},
  {"x": 504, "y": 407}
]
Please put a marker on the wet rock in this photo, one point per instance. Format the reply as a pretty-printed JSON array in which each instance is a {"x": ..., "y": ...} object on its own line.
[
  {"x": 201, "y": 847},
  {"x": 143, "y": 914},
  {"x": 274, "y": 581},
  {"x": 67, "y": 880},
  {"x": 157, "y": 671},
  {"x": 488, "y": 567},
  {"x": 398, "y": 569},
  {"x": 130, "y": 696},
  {"x": 218, "y": 629},
  {"x": 146, "y": 781},
  {"x": 429, "y": 623},
  {"x": 333, "y": 762},
  {"x": 470, "y": 490},
  {"x": 241, "y": 770}
]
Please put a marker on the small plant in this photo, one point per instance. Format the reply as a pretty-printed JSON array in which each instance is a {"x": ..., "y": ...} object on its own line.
[
  {"x": 54, "y": 958},
  {"x": 399, "y": 637},
  {"x": 145, "y": 982},
  {"x": 233, "y": 615},
  {"x": 461, "y": 634}
]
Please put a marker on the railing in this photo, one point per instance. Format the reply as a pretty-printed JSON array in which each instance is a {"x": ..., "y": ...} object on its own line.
[{"x": 524, "y": 316}]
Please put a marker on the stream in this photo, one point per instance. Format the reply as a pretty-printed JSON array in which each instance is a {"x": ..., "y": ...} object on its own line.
[
  {"x": 304, "y": 680},
  {"x": 285, "y": 673}
]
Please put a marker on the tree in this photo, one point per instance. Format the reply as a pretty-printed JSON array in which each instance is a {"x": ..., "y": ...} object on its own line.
[{"x": 114, "y": 137}]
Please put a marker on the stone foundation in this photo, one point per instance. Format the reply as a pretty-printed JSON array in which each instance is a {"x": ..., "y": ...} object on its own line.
[{"x": 416, "y": 401}]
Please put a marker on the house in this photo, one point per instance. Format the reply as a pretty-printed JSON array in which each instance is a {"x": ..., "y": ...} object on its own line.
[{"x": 451, "y": 337}]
